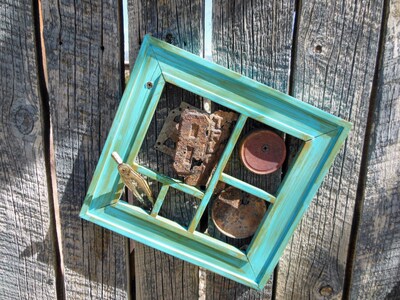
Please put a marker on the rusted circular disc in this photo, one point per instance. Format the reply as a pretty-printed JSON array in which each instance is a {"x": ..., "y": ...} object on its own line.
[
  {"x": 262, "y": 152},
  {"x": 237, "y": 214}
]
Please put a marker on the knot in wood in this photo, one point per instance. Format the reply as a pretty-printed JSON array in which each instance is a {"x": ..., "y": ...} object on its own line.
[
  {"x": 326, "y": 291},
  {"x": 169, "y": 38},
  {"x": 24, "y": 118}
]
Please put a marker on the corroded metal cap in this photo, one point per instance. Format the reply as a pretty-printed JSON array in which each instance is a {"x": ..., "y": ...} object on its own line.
[
  {"x": 237, "y": 214},
  {"x": 262, "y": 152}
]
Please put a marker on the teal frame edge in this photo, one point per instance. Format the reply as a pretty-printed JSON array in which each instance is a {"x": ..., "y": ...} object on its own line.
[{"x": 159, "y": 62}]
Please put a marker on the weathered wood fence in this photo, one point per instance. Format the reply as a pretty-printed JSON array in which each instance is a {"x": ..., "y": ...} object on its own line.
[{"x": 62, "y": 75}]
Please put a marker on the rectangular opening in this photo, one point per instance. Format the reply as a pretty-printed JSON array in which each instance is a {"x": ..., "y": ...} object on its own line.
[{"x": 157, "y": 151}]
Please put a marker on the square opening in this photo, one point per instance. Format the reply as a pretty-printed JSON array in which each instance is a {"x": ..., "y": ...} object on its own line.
[
  {"x": 179, "y": 207},
  {"x": 246, "y": 149},
  {"x": 156, "y": 152},
  {"x": 145, "y": 203},
  {"x": 262, "y": 156},
  {"x": 234, "y": 215}
]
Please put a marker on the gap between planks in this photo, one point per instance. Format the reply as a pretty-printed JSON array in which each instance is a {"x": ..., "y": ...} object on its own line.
[
  {"x": 360, "y": 194},
  {"x": 48, "y": 149}
]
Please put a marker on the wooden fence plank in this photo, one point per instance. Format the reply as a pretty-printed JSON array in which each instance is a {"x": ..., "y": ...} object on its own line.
[
  {"x": 376, "y": 271},
  {"x": 334, "y": 65},
  {"x": 157, "y": 275},
  {"x": 253, "y": 38},
  {"x": 26, "y": 252},
  {"x": 83, "y": 48}
]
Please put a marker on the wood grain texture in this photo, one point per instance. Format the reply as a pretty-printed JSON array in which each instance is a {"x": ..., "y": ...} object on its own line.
[
  {"x": 376, "y": 270},
  {"x": 253, "y": 38},
  {"x": 158, "y": 275},
  {"x": 83, "y": 47},
  {"x": 336, "y": 50},
  {"x": 26, "y": 251}
]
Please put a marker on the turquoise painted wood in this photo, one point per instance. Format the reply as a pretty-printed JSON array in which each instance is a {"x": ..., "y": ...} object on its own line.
[{"x": 158, "y": 62}]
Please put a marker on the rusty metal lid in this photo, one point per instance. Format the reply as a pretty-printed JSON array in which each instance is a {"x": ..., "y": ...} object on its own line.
[
  {"x": 237, "y": 214},
  {"x": 262, "y": 152}
]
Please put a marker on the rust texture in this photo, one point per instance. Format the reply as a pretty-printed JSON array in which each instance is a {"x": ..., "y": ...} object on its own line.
[
  {"x": 195, "y": 140},
  {"x": 191, "y": 147},
  {"x": 202, "y": 138},
  {"x": 169, "y": 135},
  {"x": 237, "y": 214}
]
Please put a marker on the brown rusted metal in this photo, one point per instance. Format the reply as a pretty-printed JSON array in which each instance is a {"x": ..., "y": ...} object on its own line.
[
  {"x": 221, "y": 127},
  {"x": 168, "y": 137},
  {"x": 237, "y": 214},
  {"x": 195, "y": 140},
  {"x": 202, "y": 138},
  {"x": 194, "y": 128},
  {"x": 262, "y": 152}
]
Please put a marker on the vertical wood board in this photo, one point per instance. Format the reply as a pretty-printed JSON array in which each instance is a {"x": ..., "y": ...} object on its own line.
[
  {"x": 83, "y": 48},
  {"x": 376, "y": 270},
  {"x": 179, "y": 22},
  {"x": 253, "y": 38},
  {"x": 336, "y": 50},
  {"x": 26, "y": 251}
]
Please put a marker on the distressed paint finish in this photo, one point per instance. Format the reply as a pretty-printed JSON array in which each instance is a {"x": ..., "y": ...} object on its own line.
[
  {"x": 376, "y": 271},
  {"x": 180, "y": 23},
  {"x": 82, "y": 41},
  {"x": 334, "y": 64},
  {"x": 244, "y": 44},
  {"x": 27, "y": 255},
  {"x": 159, "y": 61}
]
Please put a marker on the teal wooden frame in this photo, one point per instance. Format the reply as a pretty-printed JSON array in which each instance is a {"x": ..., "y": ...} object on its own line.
[{"x": 323, "y": 135}]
